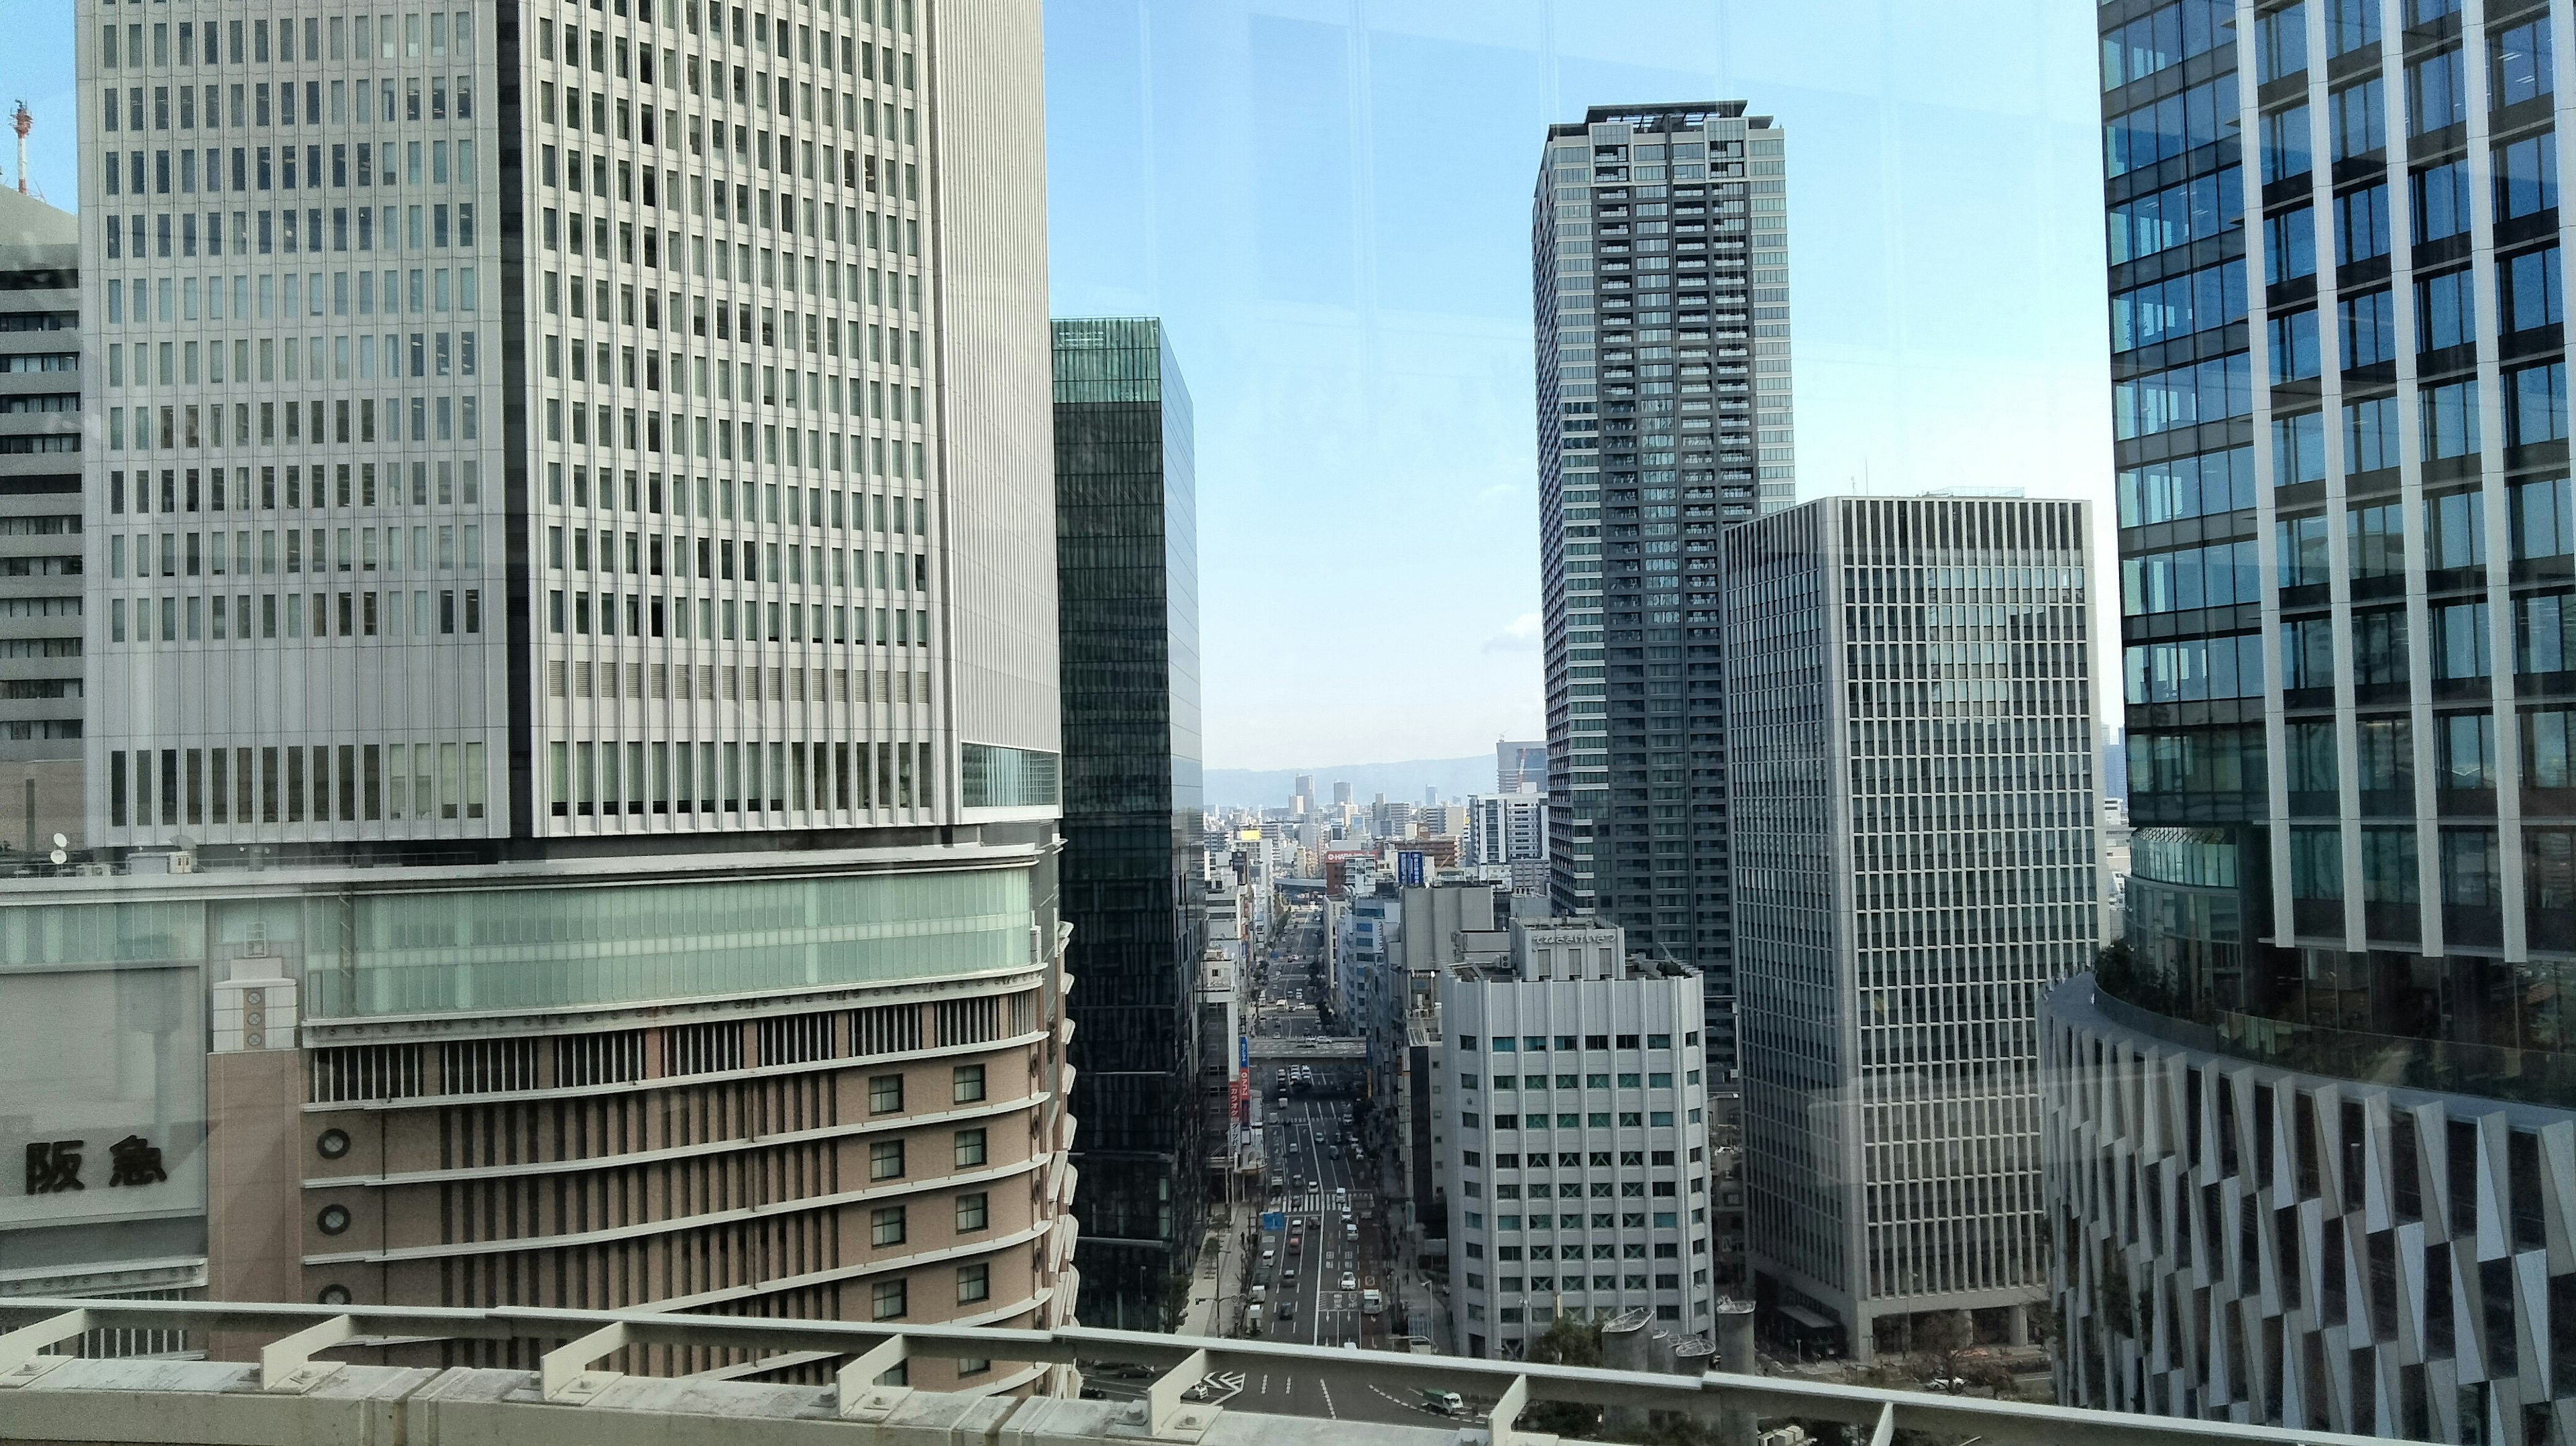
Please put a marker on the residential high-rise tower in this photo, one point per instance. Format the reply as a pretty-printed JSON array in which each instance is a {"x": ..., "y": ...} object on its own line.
[{"x": 1660, "y": 270}]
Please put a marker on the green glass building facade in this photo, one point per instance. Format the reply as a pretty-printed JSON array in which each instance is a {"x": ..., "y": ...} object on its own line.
[{"x": 1127, "y": 583}]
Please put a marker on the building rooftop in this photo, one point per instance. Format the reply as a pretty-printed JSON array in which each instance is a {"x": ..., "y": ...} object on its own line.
[{"x": 1189, "y": 1389}]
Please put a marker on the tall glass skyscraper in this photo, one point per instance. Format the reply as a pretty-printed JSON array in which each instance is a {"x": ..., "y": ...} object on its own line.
[
  {"x": 1127, "y": 582},
  {"x": 2339, "y": 386},
  {"x": 1661, "y": 285}
]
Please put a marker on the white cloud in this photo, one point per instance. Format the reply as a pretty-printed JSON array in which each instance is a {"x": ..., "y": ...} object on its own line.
[{"x": 1520, "y": 635}]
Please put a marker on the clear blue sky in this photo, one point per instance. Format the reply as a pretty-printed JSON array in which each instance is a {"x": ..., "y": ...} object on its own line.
[{"x": 1328, "y": 202}]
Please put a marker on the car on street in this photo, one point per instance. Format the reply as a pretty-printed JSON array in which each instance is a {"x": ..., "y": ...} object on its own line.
[
  {"x": 1350, "y": 1281},
  {"x": 1269, "y": 1254}
]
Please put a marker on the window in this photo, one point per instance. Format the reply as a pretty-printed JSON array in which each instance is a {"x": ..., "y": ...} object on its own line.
[
  {"x": 885, "y": 1160},
  {"x": 2456, "y": 530},
  {"x": 2303, "y": 551},
  {"x": 2468, "y": 746},
  {"x": 2294, "y": 345},
  {"x": 2368, "y": 326},
  {"x": 2535, "y": 404},
  {"x": 2289, "y": 245},
  {"x": 974, "y": 1283},
  {"x": 2388, "y": 872},
  {"x": 2377, "y": 540},
  {"x": 969, "y": 1148},
  {"x": 2441, "y": 201},
  {"x": 967, "y": 1083},
  {"x": 973, "y": 1211},
  {"x": 2526, "y": 176},
  {"x": 885, "y": 1225},
  {"x": 2312, "y": 760},
  {"x": 2547, "y": 759},
  {"x": 2379, "y": 646},
  {"x": 885, "y": 1094},
  {"x": 2350, "y": 25},
  {"x": 2316, "y": 863},
  {"x": 2281, "y": 41},
  {"x": 2528, "y": 290},
  {"x": 2461, "y": 642},
  {"x": 2450, "y": 420},
  {"x": 2521, "y": 61},
  {"x": 2446, "y": 310},
  {"x": 2370, "y": 433},
  {"x": 2544, "y": 633},
  {"x": 2384, "y": 755},
  {"x": 2299, "y": 448},
  {"x": 2436, "y": 93},
  {"x": 2472, "y": 868},
  {"x": 2361, "y": 224},
  {"x": 886, "y": 1300},
  {"x": 2285, "y": 144},
  {"x": 2356, "y": 119},
  {"x": 2543, "y": 523}
]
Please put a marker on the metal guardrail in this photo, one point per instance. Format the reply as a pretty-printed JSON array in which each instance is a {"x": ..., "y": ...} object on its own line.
[{"x": 248, "y": 1399}]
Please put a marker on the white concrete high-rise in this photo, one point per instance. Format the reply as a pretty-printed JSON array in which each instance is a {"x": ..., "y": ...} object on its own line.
[
  {"x": 547, "y": 426},
  {"x": 1571, "y": 1133},
  {"x": 1910, "y": 717}
]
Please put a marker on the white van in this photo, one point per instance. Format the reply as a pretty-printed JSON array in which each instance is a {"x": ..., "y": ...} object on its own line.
[
  {"x": 1371, "y": 1302},
  {"x": 1260, "y": 1293}
]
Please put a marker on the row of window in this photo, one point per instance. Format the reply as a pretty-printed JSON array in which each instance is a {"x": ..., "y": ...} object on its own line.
[
  {"x": 176, "y": 234},
  {"x": 1662, "y": 1250},
  {"x": 167, "y": 299},
  {"x": 1577, "y": 1120},
  {"x": 446, "y": 483},
  {"x": 1627, "y": 1080},
  {"x": 2535, "y": 411},
  {"x": 440, "y": 419},
  {"x": 2165, "y": 37},
  {"x": 375, "y": 102},
  {"x": 2528, "y": 295},
  {"x": 588, "y": 779},
  {"x": 1536, "y": 1043},
  {"x": 1599, "y": 1220},
  {"x": 2460, "y": 640},
  {"x": 730, "y": 620},
  {"x": 193, "y": 554},
  {"x": 2454, "y": 534},
  {"x": 427, "y": 355},
  {"x": 444, "y": 612},
  {"x": 2464, "y": 753},
  {"x": 2472, "y": 866},
  {"x": 297, "y": 783},
  {"x": 2523, "y": 183},
  {"x": 249, "y": 40}
]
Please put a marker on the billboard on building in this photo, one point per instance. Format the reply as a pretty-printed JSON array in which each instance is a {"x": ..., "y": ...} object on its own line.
[{"x": 1408, "y": 868}]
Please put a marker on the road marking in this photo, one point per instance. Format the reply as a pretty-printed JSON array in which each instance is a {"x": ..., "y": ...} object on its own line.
[{"x": 1328, "y": 1401}]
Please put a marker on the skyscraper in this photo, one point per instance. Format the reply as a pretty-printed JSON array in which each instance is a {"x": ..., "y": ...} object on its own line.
[
  {"x": 2339, "y": 404},
  {"x": 1913, "y": 799},
  {"x": 40, "y": 515},
  {"x": 600, "y": 477},
  {"x": 1134, "y": 890},
  {"x": 1519, "y": 763},
  {"x": 591, "y": 469},
  {"x": 1660, "y": 267}
]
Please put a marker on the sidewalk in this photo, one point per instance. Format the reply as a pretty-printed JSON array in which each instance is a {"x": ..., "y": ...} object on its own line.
[{"x": 1216, "y": 1296}]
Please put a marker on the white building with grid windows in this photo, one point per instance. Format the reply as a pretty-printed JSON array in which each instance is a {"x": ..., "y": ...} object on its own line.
[
  {"x": 547, "y": 424},
  {"x": 1910, "y": 711},
  {"x": 1570, "y": 1128}
]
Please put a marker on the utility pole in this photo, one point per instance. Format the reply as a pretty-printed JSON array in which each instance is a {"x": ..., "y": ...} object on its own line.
[{"x": 22, "y": 122}]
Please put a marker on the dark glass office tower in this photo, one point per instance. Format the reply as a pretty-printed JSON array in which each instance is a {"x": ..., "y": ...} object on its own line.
[
  {"x": 1660, "y": 280},
  {"x": 1127, "y": 582}
]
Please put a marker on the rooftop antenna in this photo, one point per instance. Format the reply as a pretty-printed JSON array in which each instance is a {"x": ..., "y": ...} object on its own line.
[{"x": 22, "y": 123}]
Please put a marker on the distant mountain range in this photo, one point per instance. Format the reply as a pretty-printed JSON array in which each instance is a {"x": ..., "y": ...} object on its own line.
[{"x": 1275, "y": 787}]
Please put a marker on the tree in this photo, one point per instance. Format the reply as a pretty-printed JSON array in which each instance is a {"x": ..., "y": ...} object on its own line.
[
  {"x": 1941, "y": 1339},
  {"x": 1568, "y": 1342}
]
